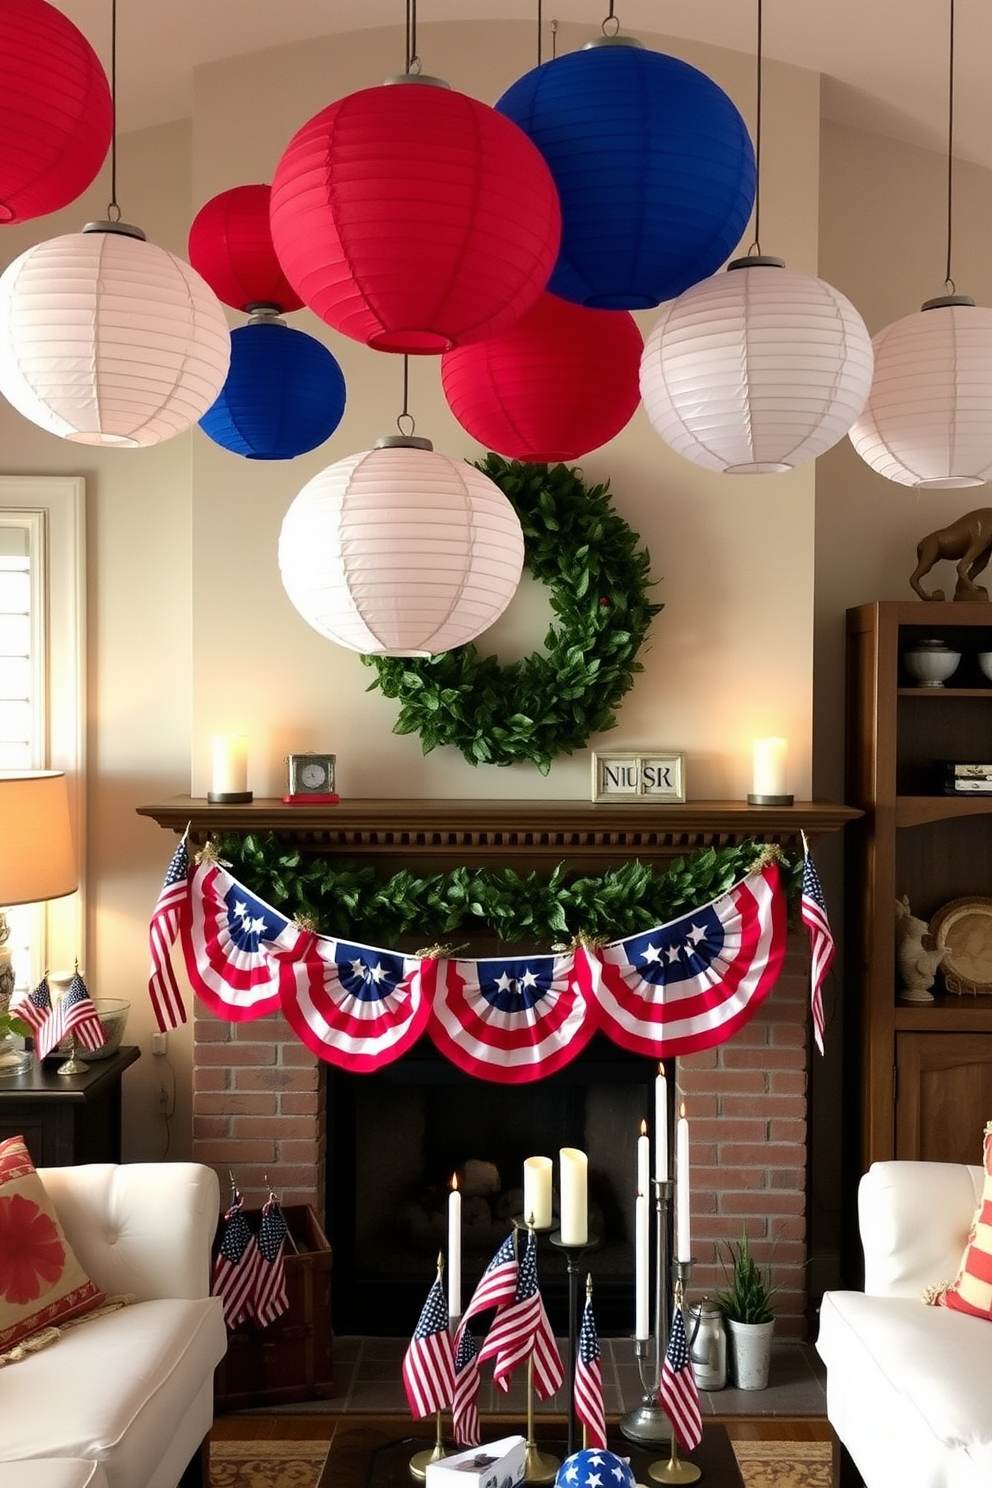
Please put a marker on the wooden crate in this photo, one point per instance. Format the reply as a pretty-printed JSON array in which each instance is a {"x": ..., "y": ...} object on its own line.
[{"x": 291, "y": 1359}]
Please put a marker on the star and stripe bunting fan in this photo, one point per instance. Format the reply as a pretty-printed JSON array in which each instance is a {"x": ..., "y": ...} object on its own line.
[{"x": 228, "y": 939}]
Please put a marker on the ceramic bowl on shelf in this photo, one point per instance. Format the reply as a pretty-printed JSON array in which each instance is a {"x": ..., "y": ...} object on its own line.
[
  {"x": 930, "y": 662},
  {"x": 984, "y": 659}
]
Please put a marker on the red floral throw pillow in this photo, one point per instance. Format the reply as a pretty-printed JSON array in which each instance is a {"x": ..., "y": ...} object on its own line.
[
  {"x": 41, "y": 1282},
  {"x": 971, "y": 1291}
]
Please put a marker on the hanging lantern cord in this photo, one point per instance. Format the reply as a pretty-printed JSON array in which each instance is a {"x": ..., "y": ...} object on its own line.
[
  {"x": 611, "y": 26},
  {"x": 406, "y": 422},
  {"x": 948, "y": 281},
  {"x": 554, "y": 40},
  {"x": 539, "y": 27},
  {"x": 755, "y": 248},
  {"x": 413, "y": 63},
  {"x": 113, "y": 210}
]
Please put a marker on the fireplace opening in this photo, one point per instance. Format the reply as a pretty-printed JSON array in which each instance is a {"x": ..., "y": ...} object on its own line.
[{"x": 396, "y": 1138}]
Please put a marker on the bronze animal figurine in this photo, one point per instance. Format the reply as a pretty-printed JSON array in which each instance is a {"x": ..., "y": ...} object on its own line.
[{"x": 969, "y": 540}]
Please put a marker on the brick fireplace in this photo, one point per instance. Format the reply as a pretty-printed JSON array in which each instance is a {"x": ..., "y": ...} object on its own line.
[{"x": 261, "y": 1100}]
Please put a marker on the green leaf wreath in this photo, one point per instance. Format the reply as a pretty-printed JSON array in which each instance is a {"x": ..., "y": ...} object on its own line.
[{"x": 549, "y": 703}]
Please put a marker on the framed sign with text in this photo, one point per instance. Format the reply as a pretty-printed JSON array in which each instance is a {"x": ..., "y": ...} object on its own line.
[{"x": 654, "y": 775}]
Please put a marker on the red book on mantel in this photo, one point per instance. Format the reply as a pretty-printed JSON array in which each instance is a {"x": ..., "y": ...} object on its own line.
[{"x": 317, "y": 798}]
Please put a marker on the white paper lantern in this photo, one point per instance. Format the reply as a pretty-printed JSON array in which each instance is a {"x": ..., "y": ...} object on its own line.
[
  {"x": 400, "y": 551},
  {"x": 757, "y": 369},
  {"x": 107, "y": 339},
  {"x": 928, "y": 419}
]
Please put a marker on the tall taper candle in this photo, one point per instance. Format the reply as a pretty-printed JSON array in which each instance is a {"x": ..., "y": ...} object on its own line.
[
  {"x": 454, "y": 1250},
  {"x": 642, "y": 1231},
  {"x": 573, "y": 1198},
  {"x": 683, "y": 1250},
  {"x": 537, "y": 1192},
  {"x": 661, "y": 1126},
  {"x": 643, "y": 1160}
]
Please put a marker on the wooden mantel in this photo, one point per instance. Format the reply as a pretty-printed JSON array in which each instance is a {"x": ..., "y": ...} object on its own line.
[{"x": 548, "y": 830}]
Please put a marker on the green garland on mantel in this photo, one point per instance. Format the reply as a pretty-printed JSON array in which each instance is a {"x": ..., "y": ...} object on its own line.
[
  {"x": 552, "y": 701},
  {"x": 351, "y": 901}
]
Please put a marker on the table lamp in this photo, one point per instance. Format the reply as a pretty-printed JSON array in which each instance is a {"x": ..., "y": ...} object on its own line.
[{"x": 37, "y": 863}]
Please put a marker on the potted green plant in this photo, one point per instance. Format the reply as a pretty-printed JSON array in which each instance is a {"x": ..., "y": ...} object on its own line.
[{"x": 746, "y": 1304}]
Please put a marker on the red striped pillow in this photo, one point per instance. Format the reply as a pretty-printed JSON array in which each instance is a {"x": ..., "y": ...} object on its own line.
[{"x": 971, "y": 1291}]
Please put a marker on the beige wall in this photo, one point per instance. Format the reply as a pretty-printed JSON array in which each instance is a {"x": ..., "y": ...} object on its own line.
[{"x": 191, "y": 632}]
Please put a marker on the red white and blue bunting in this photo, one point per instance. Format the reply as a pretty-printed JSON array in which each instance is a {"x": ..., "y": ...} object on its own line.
[{"x": 674, "y": 989}]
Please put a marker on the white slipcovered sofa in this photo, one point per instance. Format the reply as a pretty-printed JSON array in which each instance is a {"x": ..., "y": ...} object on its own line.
[
  {"x": 909, "y": 1387},
  {"x": 123, "y": 1400}
]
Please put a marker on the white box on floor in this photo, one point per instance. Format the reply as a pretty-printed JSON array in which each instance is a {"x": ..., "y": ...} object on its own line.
[{"x": 499, "y": 1464}]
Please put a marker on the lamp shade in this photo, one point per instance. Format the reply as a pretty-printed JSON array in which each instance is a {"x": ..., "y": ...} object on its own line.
[
  {"x": 560, "y": 382},
  {"x": 400, "y": 551},
  {"x": 56, "y": 115},
  {"x": 230, "y": 246},
  {"x": 413, "y": 218},
  {"x": 106, "y": 339},
  {"x": 756, "y": 370},
  {"x": 928, "y": 419},
  {"x": 654, "y": 168},
  {"x": 37, "y": 861},
  {"x": 284, "y": 394}
]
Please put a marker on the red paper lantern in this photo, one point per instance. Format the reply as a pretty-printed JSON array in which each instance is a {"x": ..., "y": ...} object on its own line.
[
  {"x": 413, "y": 218},
  {"x": 56, "y": 116},
  {"x": 230, "y": 246},
  {"x": 560, "y": 382}
]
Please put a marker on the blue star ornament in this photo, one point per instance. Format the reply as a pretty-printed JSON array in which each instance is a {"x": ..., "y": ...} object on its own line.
[{"x": 594, "y": 1467}]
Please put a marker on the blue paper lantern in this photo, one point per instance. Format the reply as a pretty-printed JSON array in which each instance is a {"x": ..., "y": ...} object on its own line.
[
  {"x": 654, "y": 167},
  {"x": 284, "y": 393}
]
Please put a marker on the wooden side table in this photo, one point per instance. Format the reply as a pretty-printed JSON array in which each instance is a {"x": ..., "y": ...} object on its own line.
[{"x": 67, "y": 1119}]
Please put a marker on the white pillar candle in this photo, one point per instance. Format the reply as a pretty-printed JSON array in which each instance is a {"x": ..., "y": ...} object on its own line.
[
  {"x": 661, "y": 1126},
  {"x": 769, "y": 767},
  {"x": 573, "y": 1192},
  {"x": 454, "y": 1250},
  {"x": 683, "y": 1251},
  {"x": 642, "y": 1326},
  {"x": 229, "y": 756},
  {"x": 643, "y": 1161},
  {"x": 537, "y": 1192}
]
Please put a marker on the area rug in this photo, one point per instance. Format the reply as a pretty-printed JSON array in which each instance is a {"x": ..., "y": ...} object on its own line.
[
  {"x": 784, "y": 1464},
  {"x": 267, "y": 1464}
]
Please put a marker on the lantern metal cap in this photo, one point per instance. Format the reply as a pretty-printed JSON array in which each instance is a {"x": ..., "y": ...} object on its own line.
[
  {"x": 126, "y": 228},
  {"x": 263, "y": 310},
  {"x": 606, "y": 41},
  {"x": 402, "y": 441},
  {"x": 757, "y": 260},
  {"x": 940, "y": 302},
  {"x": 417, "y": 77}
]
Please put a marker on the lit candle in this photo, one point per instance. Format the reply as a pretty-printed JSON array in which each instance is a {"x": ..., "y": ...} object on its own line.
[
  {"x": 683, "y": 1250},
  {"x": 769, "y": 767},
  {"x": 454, "y": 1250},
  {"x": 537, "y": 1192},
  {"x": 643, "y": 1160},
  {"x": 661, "y": 1126},
  {"x": 573, "y": 1196},
  {"x": 641, "y": 1234},
  {"x": 229, "y": 755}
]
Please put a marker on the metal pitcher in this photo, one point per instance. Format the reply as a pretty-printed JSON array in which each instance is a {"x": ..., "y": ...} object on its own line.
[{"x": 708, "y": 1344}]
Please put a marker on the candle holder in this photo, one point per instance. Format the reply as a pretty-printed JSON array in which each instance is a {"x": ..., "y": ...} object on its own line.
[
  {"x": 230, "y": 798},
  {"x": 754, "y": 800},
  {"x": 573, "y": 1255},
  {"x": 677, "y": 1469},
  {"x": 647, "y": 1424},
  {"x": 421, "y": 1460}
]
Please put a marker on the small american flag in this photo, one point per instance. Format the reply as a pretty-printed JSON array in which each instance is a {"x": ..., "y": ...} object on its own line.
[
  {"x": 73, "y": 1013},
  {"x": 813, "y": 911},
  {"x": 589, "y": 1381},
  {"x": 498, "y": 1283},
  {"x": 236, "y": 1265},
  {"x": 677, "y": 1392},
  {"x": 34, "y": 1007},
  {"x": 465, "y": 1400},
  {"x": 271, "y": 1297},
  {"x": 163, "y": 989},
  {"x": 429, "y": 1364},
  {"x": 521, "y": 1331}
]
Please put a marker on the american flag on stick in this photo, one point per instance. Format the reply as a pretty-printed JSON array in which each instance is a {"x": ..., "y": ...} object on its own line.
[
  {"x": 34, "y": 1007},
  {"x": 163, "y": 989},
  {"x": 465, "y": 1400},
  {"x": 521, "y": 1331},
  {"x": 236, "y": 1264},
  {"x": 271, "y": 1297},
  {"x": 72, "y": 1013},
  {"x": 589, "y": 1378},
  {"x": 498, "y": 1284},
  {"x": 429, "y": 1364},
  {"x": 813, "y": 912},
  {"x": 678, "y": 1393}
]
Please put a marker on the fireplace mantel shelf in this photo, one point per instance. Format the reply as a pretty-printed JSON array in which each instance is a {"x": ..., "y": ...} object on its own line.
[{"x": 499, "y": 828}]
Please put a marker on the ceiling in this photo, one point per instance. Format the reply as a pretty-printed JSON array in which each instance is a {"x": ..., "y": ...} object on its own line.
[{"x": 884, "y": 62}]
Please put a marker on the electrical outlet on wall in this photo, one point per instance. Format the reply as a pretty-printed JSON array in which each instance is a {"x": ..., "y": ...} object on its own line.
[{"x": 160, "y": 1043}]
